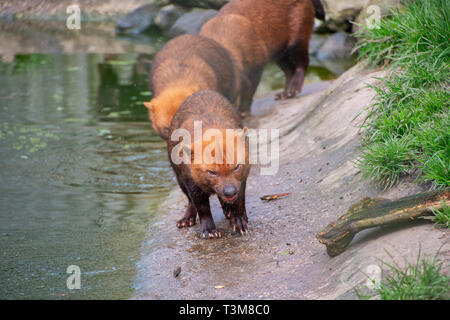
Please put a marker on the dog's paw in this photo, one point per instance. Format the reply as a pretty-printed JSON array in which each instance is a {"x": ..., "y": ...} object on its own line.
[
  {"x": 239, "y": 224},
  {"x": 186, "y": 222},
  {"x": 210, "y": 234}
]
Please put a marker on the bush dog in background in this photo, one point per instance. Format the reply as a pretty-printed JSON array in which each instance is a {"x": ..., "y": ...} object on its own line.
[
  {"x": 256, "y": 32},
  {"x": 231, "y": 53},
  {"x": 185, "y": 65},
  {"x": 200, "y": 180}
]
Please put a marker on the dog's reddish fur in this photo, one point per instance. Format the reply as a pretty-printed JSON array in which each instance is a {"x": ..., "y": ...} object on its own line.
[
  {"x": 200, "y": 180},
  {"x": 185, "y": 65},
  {"x": 230, "y": 53},
  {"x": 227, "y": 57},
  {"x": 256, "y": 32}
]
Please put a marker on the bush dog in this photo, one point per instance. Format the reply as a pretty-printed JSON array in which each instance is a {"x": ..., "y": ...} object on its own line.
[
  {"x": 225, "y": 175},
  {"x": 256, "y": 32},
  {"x": 185, "y": 65}
]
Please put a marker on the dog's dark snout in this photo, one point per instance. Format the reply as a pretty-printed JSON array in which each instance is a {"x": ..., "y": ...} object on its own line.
[{"x": 229, "y": 191}]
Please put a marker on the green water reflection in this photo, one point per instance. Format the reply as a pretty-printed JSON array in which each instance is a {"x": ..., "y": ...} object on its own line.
[{"x": 81, "y": 171}]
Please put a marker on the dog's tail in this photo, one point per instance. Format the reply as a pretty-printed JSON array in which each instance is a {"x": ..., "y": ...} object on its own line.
[{"x": 320, "y": 11}]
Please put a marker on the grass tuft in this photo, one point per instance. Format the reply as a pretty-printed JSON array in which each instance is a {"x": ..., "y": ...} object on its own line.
[
  {"x": 420, "y": 281},
  {"x": 386, "y": 161},
  {"x": 442, "y": 217},
  {"x": 408, "y": 126}
]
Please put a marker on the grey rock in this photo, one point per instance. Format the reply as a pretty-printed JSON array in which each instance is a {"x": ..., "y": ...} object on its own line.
[
  {"x": 337, "y": 66},
  {"x": 316, "y": 41},
  {"x": 337, "y": 46},
  {"x": 206, "y": 4},
  {"x": 339, "y": 13},
  {"x": 167, "y": 16},
  {"x": 191, "y": 22},
  {"x": 138, "y": 20},
  {"x": 365, "y": 16}
]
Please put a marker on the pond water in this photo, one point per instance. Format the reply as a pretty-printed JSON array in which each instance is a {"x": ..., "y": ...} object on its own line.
[{"x": 81, "y": 170}]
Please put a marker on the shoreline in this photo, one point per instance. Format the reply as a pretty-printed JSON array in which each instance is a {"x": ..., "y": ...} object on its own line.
[
  {"x": 281, "y": 258},
  {"x": 45, "y": 10}
]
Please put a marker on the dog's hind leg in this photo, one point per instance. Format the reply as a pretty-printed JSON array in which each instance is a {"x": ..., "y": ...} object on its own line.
[{"x": 294, "y": 60}]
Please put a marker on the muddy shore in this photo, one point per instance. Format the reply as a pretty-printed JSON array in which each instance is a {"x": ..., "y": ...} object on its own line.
[{"x": 281, "y": 258}]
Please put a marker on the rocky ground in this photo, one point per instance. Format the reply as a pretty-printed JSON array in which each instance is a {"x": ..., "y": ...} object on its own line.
[
  {"x": 55, "y": 9},
  {"x": 340, "y": 13},
  {"x": 281, "y": 257}
]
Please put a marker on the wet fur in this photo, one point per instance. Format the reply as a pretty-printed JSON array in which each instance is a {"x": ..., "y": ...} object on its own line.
[
  {"x": 256, "y": 32},
  {"x": 185, "y": 65},
  {"x": 216, "y": 112}
]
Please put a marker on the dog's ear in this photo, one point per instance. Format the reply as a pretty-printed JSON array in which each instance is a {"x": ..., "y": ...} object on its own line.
[{"x": 148, "y": 105}]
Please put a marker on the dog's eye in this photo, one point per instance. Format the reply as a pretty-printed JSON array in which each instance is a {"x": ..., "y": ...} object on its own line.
[
  {"x": 237, "y": 168},
  {"x": 212, "y": 173}
]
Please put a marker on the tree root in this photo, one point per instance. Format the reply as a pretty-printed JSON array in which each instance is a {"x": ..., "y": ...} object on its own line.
[{"x": 369, "y": 213}]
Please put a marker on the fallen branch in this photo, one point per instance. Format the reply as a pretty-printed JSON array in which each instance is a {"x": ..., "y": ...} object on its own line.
[
  {"x": 271, "y": 197},
  {"x": 369, "y": 213}
]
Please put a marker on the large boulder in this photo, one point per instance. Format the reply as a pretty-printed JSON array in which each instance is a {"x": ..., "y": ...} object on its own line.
[
  {"x": 332, "y": 51},
  {"x": 191, "y": 22},
  {"x": 366, "y": 14},
  {"x": 338, "y": 46},
  {"x": 167, "y": 16},
  {"x": 207, "y": 4},
  {"x": 138, "y": 20},
  {"x": 339, "y": 13},
  {"x": 316, "y": 41}
]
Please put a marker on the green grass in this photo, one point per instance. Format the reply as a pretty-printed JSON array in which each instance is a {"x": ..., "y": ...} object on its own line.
[
  {"x": 408, "y": 125},
  {"x": 442, "y": 216},
  {"x": 420, "y": 281}
]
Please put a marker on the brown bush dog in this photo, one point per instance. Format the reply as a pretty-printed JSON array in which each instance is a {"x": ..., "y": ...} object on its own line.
[
  {"x": 185, "y": 65},
  {"x": 259, "y": 31},
  {"x": 200, "y": 180}
]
